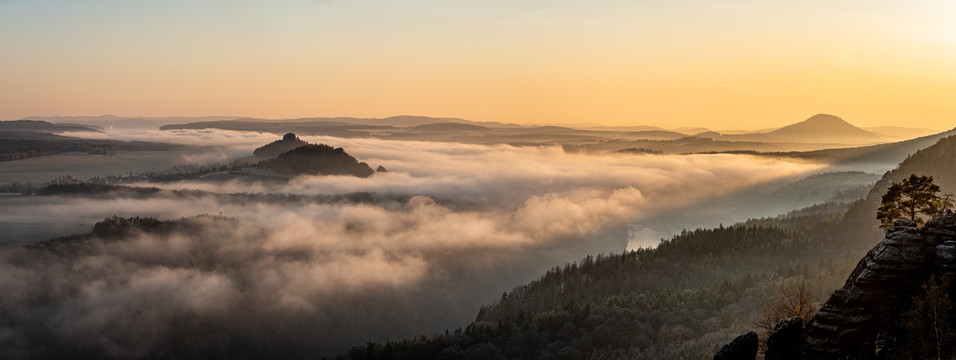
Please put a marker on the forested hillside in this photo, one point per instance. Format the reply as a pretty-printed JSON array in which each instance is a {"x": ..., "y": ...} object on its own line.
[
  {"x": 681, "y": 300},
  {"x": 938, "y": 161}
]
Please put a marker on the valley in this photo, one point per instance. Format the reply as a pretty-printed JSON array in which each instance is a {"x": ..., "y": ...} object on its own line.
[{"x": 449, "y": 222}]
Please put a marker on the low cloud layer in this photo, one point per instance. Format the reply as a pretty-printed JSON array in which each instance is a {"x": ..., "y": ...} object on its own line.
[{"x": 314, "y": 277}]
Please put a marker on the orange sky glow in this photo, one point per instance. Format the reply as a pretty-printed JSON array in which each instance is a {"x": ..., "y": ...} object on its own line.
[{"x": 727, "y": 65}]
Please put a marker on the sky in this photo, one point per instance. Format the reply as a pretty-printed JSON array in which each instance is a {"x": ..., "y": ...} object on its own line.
[{"x": 742, "y": 64}]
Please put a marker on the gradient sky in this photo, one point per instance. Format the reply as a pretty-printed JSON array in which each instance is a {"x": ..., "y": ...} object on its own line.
[{"x": 720, "y": 64}]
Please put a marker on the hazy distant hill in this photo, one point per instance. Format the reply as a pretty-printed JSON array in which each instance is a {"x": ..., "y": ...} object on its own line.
[
  {"x": 449, "y": 127},
  {"x": 258, "y": 125},
  {"x": 410, "y": 120},
  {"x": 824, "y": 128},
  {"x": 118, "y": 122},
  {"x": 607, "y": 134},
  {"x": 882, "y": 153},
  {"x": 620, "y": 128},
  {"x": 899, "y": 132},
  {"x": 818, "y": 129},
  {"x": 248, "y": 124},
  {"x": 657, "y": 135},
  {"x": 44, "y": 126}
]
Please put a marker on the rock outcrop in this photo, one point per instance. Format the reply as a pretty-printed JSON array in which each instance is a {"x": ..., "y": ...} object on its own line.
[
  {"x": 743, "y": 347},
  {"x": 783, "y": 340},
  {"x": 863, "y": 316},
  {"x": 318, "y": 159},
  {"x": 289, "y": 142}
]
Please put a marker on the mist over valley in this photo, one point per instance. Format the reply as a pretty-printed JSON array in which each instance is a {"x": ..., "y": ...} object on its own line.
[{"x": 318, "y": 261}]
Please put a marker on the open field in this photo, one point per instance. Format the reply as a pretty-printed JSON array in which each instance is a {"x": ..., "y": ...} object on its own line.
[{"x": 82, "y": 166}]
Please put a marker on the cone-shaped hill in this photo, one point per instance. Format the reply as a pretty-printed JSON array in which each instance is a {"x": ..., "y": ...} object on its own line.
[
  {"x": 318, "y": 159},
  {"x": 824, "y": 128}
]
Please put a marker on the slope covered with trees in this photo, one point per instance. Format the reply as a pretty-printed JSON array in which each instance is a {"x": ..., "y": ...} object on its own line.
[
  {"x": 681, "y": 300},
  {"x": 938, "y": 161}
]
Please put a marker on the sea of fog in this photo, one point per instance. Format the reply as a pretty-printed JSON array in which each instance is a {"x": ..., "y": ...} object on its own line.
[{"x": 472, "y": 221}]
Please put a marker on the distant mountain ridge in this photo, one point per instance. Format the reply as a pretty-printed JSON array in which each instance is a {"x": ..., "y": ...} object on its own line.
[
  {"x": 118, "y": 122},
  {"x": 899, "y": 132},
  {"x": 816, "y": 133},
  {"x": 352, "y": 122},
  {"x": 448, "y": 126},
  {"x": 890, "y": 152},
  {"x": 44, "y": 126}
]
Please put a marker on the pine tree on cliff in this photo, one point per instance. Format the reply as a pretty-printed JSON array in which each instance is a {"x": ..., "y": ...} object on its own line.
[{"x": 910, "y": 198}]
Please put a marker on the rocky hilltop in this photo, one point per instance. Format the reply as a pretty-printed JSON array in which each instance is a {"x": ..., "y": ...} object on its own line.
[
  {"x": 318, "y": 159},
  {"x": 271, "y": 150},
  {"x": 865, "y": 319}
]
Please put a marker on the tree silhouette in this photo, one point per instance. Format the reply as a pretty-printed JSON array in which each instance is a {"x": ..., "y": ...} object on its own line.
[
  {"x": 793, "y": 301},
  {"x": 910, "y": 198}
]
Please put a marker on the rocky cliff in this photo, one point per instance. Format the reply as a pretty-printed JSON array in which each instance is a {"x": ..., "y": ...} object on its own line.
[
  {"x": 869, "y": 305},
  {"x": 864, "y": 318}
]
